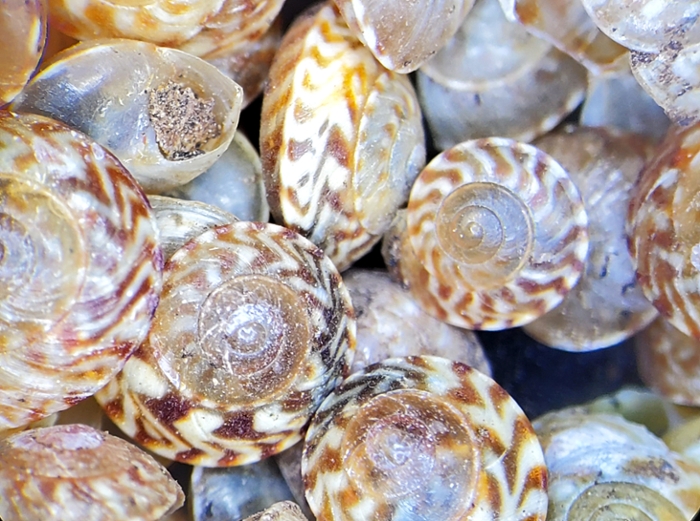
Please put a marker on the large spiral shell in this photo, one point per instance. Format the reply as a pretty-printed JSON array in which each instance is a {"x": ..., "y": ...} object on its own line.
[
  {"x": 498, "y": 235},
  {"x": 423, "y": 438},
  {"x": 79, "y": 267},
  {"x": 341, "y": 138},
  {"x": 253, "y": 330}
]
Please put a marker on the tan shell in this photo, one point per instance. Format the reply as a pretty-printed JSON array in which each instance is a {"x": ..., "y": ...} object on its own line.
[
  {"x": 496, "y": 236},
  {"x": 495, "y": 79},
  {"x": 404, "y": 35},
  {"x": 23, "y": 29},
  {"x": 80, "y": 270},
  {"x": 685, "y": 439},
  {"x": 283, "y": 511},
  {"x": 104, "y": 88},
  {"x": 423, "y": 438},
  {"x": 607, "y": 305},
  {"x": 341, "y": 138},
  {"x": 664, "y": 236},
  {"x": 253, "y": 330},
  {"x": 76, "y": 473}
]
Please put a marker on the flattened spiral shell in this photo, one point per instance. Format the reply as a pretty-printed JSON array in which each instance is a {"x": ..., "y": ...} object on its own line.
[
  {"x": 499, "y": 232},
  {"x": 79, "y": 267},
  {"x": 423, "y": 438},
  {"x": 253, "y": 330}
]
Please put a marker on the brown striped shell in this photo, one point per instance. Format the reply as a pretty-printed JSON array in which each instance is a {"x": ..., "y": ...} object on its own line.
[
  {"x": 404, "y": 35},
  {"x": 77, "y": 473},
  {"x": 80, "y": 269},
  {"x": 607, "y": 305},
  {"x": 23, "y": 28},
  {"x": 253, "y": 330},
  {"x": 423, "y": 438},
  {"x": 341, "y": 138},
  {"x": 496, "y": 235},
  {"x": 662, "y": 225}
]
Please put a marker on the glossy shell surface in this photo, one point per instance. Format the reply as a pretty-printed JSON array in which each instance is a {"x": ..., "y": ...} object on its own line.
[
  {"x": 253, "y": 330},
  {"x": 498, "y": 234},
  {"x": 341, "y": 138},
  {"x": 80, "y": 268},
  {"x": 423, "y": 438}
]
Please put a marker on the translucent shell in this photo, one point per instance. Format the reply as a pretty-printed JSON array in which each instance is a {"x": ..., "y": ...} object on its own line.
[
  {"x": 76, "y": 473},
  {"x": 390, "y": 324},
  {"x": 282, "y": 511},
  {"x": 80, "y": 269},
  {"x": 341, "y": 138},
  {"x": 495, "y": 79},
  {"x": 423, "y": 438},
  {"x": 497, "y": 234},
  {"x": 132, "y": 98},
  {"x": 253, "y": 330},
  {"x": 404, "y": 35},
  {"x": 664, "y": 236},
  {"x": 669, "y": 362},
  {"x": 607, "y": 305},
  {"x": 23, "y": 29}
]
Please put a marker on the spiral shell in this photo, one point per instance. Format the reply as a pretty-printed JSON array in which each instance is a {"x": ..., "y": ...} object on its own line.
[
  {"x": 423, "y": 438},
  {"x": 79, "y": 267},
  {"x": 496, "y": 235},
  {"x": 253, "y": 330},
  {"x": 165, "y": 114},
  {"x": 341, "y": 138},
  {"x": 76, "y": 473}
]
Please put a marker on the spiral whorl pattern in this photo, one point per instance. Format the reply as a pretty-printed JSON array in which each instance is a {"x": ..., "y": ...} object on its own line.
[
  {"x": 500, "y": 233},
  {"x": 253, "y": 330},
  {"x": 79, "y": 267}
]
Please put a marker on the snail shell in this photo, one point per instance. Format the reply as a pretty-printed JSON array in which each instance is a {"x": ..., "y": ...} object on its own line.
[
  {"x": 282, "y": 511},
  {"x": 607, "y": 305},
  {"x": 423, "y": 438},
  {"x": 495, "y": 79},
  {"x": 496, "y": 235},
  {"x": 253, "y": 330},
  {"x": 80, "y": 269},
  {"x": 130, "y": 96},
  {"x": 404, "y": 35},
  {"x": 77, "y": 473},
  {"x": 23, "y": 27},
  {"x": 341, "y": 138}
]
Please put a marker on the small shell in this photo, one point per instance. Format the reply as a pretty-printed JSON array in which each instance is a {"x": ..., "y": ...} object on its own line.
[
  {"x": 283, "y": 511},
  {"x": 80, "y": 270},
  {"x": 669, "y": 362},
  {"x": 495, "y": 79},
  {"x": 23, "y": 29},
  {"x": 76, "y": 473},
  {"x": 607, "y": 305},
  {"x": 423, "y": 438},
  {"x": 497, "y": 234},
  {"x": 404, "y": 35},
  {"x": 341, "y": 138},
  {"x": 253, "y": 330},
  {"x": 127, "y": 96}
]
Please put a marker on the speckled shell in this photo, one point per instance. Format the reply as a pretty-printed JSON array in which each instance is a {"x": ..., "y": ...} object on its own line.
[
  {"x": 495, "y": 79},
  {"x": 23, "y": 29},
  {"x": 423, "y": 438},
  {"x": 605, "y": 468},
  {"x": 496, "y": 235},
  {"x": 607, "y": 305},
  {"x": 282, "y": 511},
  {"x": 76, "y": 473},
  {"x": 390, "y": 324},
  {"x": 103, "y": 89},
  {"x": 80, "y": 269},
  {"x": 253, "y": 330},
  {"x": 404, "y": 35},
  {"x": 669, "y": 362},
  {"x": 341, "y": 138},
  {"x": 662, "y": 226}
]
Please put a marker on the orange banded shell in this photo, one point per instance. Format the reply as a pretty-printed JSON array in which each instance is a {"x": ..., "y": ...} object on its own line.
[
  {"x": 253, "y": 330},
  {"x": 423, "y": 438}
]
